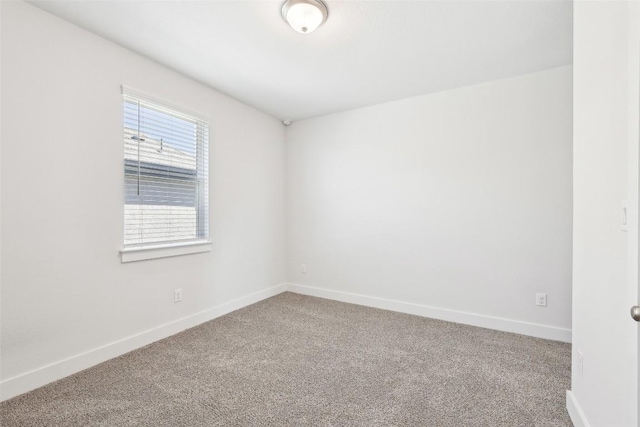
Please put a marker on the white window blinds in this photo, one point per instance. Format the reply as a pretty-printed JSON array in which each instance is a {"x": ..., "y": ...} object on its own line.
[{"x": 165, "y": 173}]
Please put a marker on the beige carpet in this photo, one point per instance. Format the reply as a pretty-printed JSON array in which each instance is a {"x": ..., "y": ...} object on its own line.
[{"x": 294, "y": 360}]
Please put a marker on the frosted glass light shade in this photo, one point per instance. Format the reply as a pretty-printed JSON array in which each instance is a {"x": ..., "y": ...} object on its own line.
[{"x": 304, "y": 16}]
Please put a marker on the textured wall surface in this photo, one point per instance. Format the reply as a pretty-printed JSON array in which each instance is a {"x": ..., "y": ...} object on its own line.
[
  {"x": 459, "y": 200},
  {"x": 64, "y": 289}
]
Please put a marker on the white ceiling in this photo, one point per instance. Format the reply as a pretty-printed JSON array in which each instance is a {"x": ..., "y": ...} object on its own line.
[{"x": 368, "y": 52}]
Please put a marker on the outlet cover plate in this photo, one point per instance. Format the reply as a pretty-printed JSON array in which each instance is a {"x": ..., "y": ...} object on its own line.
[{"x": 541, "y": 300}]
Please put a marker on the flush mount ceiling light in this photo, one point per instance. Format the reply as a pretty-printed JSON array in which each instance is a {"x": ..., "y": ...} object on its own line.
[{"x": 304, "y": 16}]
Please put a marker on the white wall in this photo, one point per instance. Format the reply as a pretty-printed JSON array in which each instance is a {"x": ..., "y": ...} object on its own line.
[
  {"x": 64, "y": 289},
  {"x": 606, "y": 76},
  {"x": 459, "y": 200}
]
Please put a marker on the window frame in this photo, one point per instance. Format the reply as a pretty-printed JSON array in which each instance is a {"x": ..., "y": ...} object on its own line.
[{"x": 202, "y": 242}]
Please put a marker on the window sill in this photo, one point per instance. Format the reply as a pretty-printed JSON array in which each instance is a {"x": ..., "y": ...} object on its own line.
[{"x": 163, "y": 251}]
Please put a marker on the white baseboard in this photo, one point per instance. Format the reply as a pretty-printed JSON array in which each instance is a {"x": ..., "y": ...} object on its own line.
[
  {"x": 575, "y": 411},
  {"x": 489, "y": 322},
  {"x": 31, "y": 380}
]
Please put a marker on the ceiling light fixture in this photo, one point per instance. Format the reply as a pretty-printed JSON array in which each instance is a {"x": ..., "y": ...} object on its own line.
[{"x": 304, "y": 16}]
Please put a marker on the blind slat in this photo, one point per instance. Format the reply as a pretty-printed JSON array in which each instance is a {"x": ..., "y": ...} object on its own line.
[{"x": 143, "y": 99}]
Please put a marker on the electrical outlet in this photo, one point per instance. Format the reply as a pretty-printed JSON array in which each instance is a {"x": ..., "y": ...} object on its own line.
[
  {"x": 303, "y": 268},
  {"x": 541, "y": 300},
  {"x": 177, "y": 295},
  {"x": 579, "y": 363}
]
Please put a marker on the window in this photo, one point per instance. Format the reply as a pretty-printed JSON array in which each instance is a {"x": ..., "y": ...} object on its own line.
[{"x": 165, "y": 175}]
